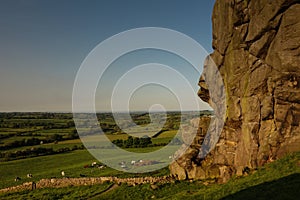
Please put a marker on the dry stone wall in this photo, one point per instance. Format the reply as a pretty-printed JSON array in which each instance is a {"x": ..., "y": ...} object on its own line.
[{"x": 65, "y": 182}]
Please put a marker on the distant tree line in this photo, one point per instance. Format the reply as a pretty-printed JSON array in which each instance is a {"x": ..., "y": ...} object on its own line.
[
  {"x": 136, "y": 142},
  {"x": 36, "y": 141},
  {"x": 31, "y": 123},
  {"x": 34, "y": 152},
  {"x": 133, "y": 142},
  {"x": 21, "y": 143},
  {"x": 4, "y": 136},
  {"x": 36, "y": 115}
]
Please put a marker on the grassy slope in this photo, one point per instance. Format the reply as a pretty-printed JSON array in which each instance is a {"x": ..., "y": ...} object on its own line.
[
  {"x": 43, "y": 166},
  {"x": 278, "y": 180},
  {"x": 50, "y": 166},
  {"x": 78, "y": 192}
]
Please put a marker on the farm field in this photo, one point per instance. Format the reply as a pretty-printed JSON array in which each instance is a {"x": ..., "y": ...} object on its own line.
[
  {"x": 44, "y": 144},
  {"x": 69, "y": 155},
  {"x": 72, "y": 163},
  {"x": 267, "y": 182}
]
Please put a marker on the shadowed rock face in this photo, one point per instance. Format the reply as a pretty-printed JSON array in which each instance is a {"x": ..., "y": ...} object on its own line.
[{"x": 257, "y": 50}]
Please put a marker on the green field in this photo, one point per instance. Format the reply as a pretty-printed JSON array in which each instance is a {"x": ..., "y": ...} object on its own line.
[
  {"x": 277, "y": 180},
  {"x": 23, "y": 133},
  {"x": 79, "y": 192},
  {"x": 27, "y": 135},
  {"x": 44, "y": 167},
  {"x": 51, "y": 166}
]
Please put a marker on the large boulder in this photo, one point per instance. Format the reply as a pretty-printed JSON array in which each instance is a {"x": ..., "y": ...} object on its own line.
[{"x": 257, "y": 51}]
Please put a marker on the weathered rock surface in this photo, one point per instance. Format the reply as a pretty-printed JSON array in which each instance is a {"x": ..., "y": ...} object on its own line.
[{"x": 257, "y": 51}]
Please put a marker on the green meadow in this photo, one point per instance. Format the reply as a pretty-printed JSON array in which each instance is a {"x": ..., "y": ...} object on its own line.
[
  {"x": 277, "y": 180},
  {"x": 25, "y": 136},
  {"x": 45, "y": 144}
]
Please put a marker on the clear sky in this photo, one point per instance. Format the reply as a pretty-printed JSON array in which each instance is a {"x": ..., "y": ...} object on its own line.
[{"x": 44, "y": 42}]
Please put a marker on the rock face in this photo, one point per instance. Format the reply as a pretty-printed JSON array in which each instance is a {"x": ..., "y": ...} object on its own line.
[{"x": 257, "y": 51}]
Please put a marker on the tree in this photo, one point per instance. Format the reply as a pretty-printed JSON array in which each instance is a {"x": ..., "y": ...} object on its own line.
[
  {"x": 129, "y": 142},
  {"x": 56, "y": 137},
  {"x": 136, "y": 141},
  {"x": 145, "y": 141},
  {"x": 118, "y": 142}
]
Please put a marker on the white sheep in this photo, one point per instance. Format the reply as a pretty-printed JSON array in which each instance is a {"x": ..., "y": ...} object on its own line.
[{"x": 62, "y": 173}]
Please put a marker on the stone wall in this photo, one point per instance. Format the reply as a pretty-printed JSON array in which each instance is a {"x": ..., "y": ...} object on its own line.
[{"x": 65, "y": 182}]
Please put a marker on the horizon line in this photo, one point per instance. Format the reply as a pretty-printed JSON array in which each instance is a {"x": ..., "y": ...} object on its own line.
[{"x": 102, "y": 111}]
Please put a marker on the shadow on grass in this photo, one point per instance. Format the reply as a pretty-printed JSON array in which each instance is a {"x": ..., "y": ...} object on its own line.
[{"x": 284, "y": 188}]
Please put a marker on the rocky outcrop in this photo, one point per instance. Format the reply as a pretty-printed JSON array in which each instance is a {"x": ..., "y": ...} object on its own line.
[{"x": 257, "y": 51}]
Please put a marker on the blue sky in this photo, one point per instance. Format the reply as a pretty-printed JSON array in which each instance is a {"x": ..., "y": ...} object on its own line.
[{"x": 43, "y": 43}]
